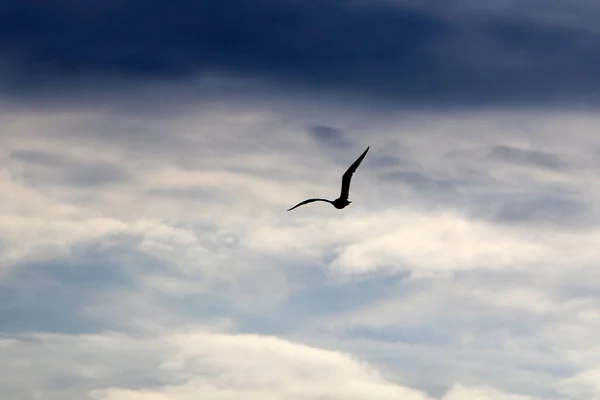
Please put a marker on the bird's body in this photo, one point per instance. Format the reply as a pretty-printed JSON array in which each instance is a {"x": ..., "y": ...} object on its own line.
[{"x": 342, "y": 201}]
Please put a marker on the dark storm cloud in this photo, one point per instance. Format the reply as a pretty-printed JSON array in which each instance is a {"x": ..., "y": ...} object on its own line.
[
  {"x": 536, "y": 158},
  {"x": 378, "y": 49}
]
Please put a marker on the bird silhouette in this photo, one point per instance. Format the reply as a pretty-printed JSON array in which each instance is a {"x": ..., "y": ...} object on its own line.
[{"x": 341, "y": 201}]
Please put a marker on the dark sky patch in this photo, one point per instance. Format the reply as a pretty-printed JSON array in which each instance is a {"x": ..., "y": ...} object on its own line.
[{"x": 411, "y": 55}]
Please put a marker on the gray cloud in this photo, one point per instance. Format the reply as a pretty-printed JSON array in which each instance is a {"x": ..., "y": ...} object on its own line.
[
  {"x": 536, "y": 158},
  {"x": 549, "y": 209},
  {"x": 70, "y": 171},
  {"x": 190, "y": 193},
  {"x": 329, "y": 136},
  {"x": 423, "y": 183},
  {"x": 501, "y": 202},
  {"x": 322, "y": 298},
  {"x": 386, "y": 161}
]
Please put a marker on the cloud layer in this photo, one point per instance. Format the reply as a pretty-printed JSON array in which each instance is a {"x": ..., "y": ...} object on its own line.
[{"x": 465, "y": 267}]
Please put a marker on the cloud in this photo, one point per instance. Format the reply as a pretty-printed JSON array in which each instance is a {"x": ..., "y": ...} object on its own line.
[
  {"x": 435, "y": 242},
  {"x": 583, "y": 385},
  {"x": 329, "y": 136},
  {"x": 411, "y": 53},
  {"x": 460, "y": 392},
  {"x": 198, "y": 364},
  {"x": 489, "y": 328},
  {"x": 69, "y": 171},
  {"x": 421, "y": 182},
  {"x": 543, "y": 209},
  {"x": 443, "y": 280},
  {"x": 81, "y": 277},
  {"x": 518, "y": 156}
]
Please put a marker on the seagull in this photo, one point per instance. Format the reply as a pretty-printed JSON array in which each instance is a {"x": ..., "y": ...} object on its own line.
[{"x": 341, "y": 201}]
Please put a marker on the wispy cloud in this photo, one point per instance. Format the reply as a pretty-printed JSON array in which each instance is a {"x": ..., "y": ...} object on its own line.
[
  {"x": 46, "y": 167},
  {"x": 538, "y": 158}
]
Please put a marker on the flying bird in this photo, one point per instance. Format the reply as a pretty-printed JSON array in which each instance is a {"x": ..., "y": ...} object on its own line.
[{"x": 341, "y": 201}]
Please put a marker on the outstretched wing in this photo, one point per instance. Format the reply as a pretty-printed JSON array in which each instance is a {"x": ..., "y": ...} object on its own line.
[
  {"x": 348, "y": 175},
  {"x": 308, "y": 201}
]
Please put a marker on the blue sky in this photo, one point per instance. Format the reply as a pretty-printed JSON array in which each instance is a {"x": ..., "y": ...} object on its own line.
[{"x": 148, "y": 153}]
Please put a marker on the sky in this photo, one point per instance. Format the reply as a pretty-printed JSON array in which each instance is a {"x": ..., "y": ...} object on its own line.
[{"x": 149, "y": 151}]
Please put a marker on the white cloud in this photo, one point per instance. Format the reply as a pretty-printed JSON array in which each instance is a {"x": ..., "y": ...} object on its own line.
[
  {"x": 460, "y": 392},
  {"x": 424, "y": 242},
  {"x": 585, "y": 384},
  {"x": 195, "y": 365}
]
